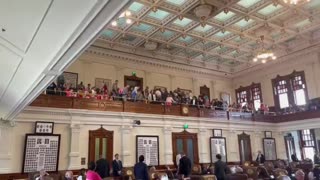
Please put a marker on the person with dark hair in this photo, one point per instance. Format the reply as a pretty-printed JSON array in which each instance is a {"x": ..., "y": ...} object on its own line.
[
  {"x": 102, "y": 167},
  {"x": 184, "y": 166},
  {"x": 220, "y": 168},
  {"x": 91, "y": 174},
  {"x": 294, "y": 158},
  {"x": 116, "y": 165},
  {"x": 141, "y": 169},
  {"x": 82, "y": 174}
]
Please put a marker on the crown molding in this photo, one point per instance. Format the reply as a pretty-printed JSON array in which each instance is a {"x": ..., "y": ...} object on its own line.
[{"x": 112, "y": 54}]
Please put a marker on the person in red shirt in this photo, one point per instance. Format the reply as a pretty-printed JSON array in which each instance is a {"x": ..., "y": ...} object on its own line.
[{"x": 91, "y": 174}]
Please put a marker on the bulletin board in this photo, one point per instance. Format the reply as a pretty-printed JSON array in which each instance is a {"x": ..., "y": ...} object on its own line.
[{"x": 41, "y": 151}]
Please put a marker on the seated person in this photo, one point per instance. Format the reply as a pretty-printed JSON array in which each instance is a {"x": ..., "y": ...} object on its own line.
[
  {"x": 299, "y": 175},
  {"x": 68, "y": 175},
  {"x": 42, "y": 175}
]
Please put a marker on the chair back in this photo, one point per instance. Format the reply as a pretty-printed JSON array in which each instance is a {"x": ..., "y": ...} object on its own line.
[
  {"x": 196, "y": 169},
  {"x": 128, "y": 171},
  {"x": 280, "y": 172},
  {"x": 237, "y": 176},
  {"x": 251, "y": 172},
  {"x": 269, "y": 166},
  {"x": 246, "y": 163}
]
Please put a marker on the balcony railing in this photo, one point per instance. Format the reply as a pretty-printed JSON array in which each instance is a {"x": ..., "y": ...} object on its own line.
[{"x": 54, "y": 101}]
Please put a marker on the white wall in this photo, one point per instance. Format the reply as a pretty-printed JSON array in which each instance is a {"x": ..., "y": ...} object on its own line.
[
  {"x": 309, "y": 63},
  {"x": 124, "y": 144}
]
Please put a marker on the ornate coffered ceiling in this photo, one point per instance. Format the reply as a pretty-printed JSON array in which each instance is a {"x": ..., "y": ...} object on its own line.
[{"x": 226, "y": 40}]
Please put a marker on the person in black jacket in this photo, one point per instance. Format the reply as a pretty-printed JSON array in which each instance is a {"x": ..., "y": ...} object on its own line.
[
  {"x": 116, "y": 166},
  {"x": 141, "y": 170},
  {"x": 220, "y": 168},
  {"x": 260, "y": 158},
  {"x": 102, "y": 167},
  {"x": 184, "y": 166}
]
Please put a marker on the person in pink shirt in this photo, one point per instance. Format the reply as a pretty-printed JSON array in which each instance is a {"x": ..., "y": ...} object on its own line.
[{"x": 91, "y": 174}]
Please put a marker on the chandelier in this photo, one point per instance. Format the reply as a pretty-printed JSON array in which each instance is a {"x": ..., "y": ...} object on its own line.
[
  {"x": 264, "y": 56},
  {"x": 295, "y": 1},
  {"x": 125, "y": 15}
]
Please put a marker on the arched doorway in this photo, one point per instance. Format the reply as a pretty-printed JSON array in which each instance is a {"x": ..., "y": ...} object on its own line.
[{"x": 100, "y": 144}]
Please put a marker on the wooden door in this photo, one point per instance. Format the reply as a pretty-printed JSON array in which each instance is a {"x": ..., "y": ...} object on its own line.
[
  {"x": 133, "y": 81},
  {"x": 244, "y": 147},
  {"x": 290, "y": 148},
  {"x": 187, "y": 143},
  {"x": 100, "y": 144},
  {"x": 204, "y": 90}
]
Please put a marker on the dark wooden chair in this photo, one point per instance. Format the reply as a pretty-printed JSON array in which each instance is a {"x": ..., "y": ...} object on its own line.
[
  {"x": 269, "y": 166},
  {"x": 251, "y": 172},
  {"x": 280, "y": 172},
  {"x": 237, "y": 176},
  {"x": 128, "y": 171}
]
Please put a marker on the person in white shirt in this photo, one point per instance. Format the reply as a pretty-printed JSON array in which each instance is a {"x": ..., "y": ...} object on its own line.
[{"x": 82, "y": 175}]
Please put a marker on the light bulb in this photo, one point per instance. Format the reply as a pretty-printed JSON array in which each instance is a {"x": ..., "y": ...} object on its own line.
[
  {"x": 263, "y": 61},
  {"x": 255, "y": 59},
  {"x": 128, "y": 21},
  {"x": 128, "y": 13},
  {"x": 274, "y": 57},
  {"x": 114, "y": 23}
]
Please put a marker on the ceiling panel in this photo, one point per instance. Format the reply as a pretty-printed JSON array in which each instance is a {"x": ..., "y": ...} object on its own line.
[
  {"x": 8, "y": 65},
  {"x": 29, "y": 14}
]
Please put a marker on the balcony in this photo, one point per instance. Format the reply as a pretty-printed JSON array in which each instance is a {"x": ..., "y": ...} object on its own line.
[{"x": 54, "y": 101}]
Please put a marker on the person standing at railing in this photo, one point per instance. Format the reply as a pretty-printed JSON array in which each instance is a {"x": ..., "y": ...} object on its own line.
[
  {"x": 51, "y": 89},
  {"x": 115, "y": 88},
  {"x": 134, "y": 93}
]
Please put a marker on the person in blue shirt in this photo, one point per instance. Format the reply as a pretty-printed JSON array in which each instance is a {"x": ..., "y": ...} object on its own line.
[{"x": 141, "y": 170}]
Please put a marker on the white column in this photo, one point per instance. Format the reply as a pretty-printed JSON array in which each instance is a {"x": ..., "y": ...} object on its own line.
[
  {"x": 232, "y": 146},
  {"x": 147, "y": 79},
  {"x": 196, "y": 88},
  {"x": 119, "y": 76},
  {"x": 203, "y": 146},
  {"x": 280, "y": 144},
  {"x": 172, "y": 85},
  {"x": 127, "y": 157},
  {"x": 74, "y": 155},
  {"x": 213, "y": 94},
  {"x": 6, "y": 129},
  {"x": 256, "y": 143},
  {"x": 167, "y": 138}
]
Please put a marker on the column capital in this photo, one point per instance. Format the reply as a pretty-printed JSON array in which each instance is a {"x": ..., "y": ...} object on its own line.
[
  {"x": 7, "y": 123},
  {"x": 167, "y": 130},
  {"x": 126, "y": 129},
  {"x": 202, "y": 130}
]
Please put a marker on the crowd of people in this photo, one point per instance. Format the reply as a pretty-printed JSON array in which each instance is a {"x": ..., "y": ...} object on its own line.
[
  {"x": 136, "y": 93},
  {"x": 148, "y": 95}
]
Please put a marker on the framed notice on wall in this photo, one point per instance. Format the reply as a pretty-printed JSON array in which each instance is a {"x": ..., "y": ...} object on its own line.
[
  {"x": 148, "y": 146},
  {"x": 269, "y": 148},
  {"x": 41, "y": 152},
  {"x": 218, "y": 145}
]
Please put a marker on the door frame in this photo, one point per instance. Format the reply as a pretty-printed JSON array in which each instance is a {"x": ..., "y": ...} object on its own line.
[
  {"x": 240, "y": 137},
  {"x": 101, "y": 132},
  {"x": 185, "y": 135}
]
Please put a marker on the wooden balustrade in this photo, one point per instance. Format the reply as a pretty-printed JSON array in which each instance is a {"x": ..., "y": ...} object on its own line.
[{"x": 161, "y": 109}]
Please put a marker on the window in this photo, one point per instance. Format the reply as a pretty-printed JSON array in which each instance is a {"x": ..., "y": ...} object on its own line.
[
  {"x": 308, "y": 143},
  {"x": 250, "y": 95},
  {"x": 290, "y": 90}
]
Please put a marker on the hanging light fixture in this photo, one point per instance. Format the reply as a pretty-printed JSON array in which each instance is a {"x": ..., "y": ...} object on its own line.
[
  {"x": 125, "y": 15},
  {"x": 264, "y": 55},
  {"x": 295, "y": 2}
]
